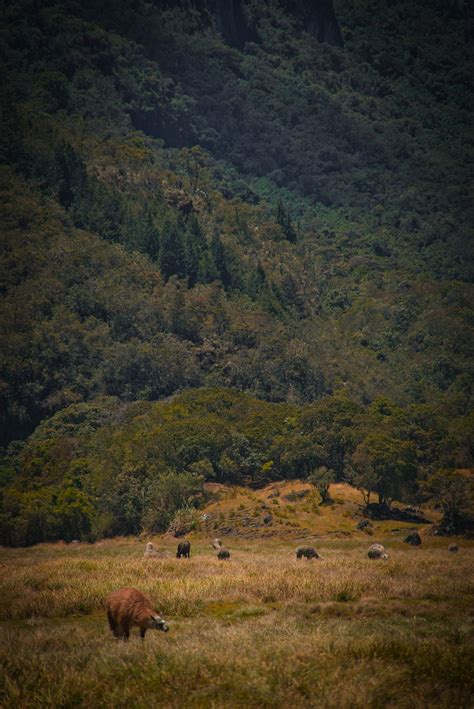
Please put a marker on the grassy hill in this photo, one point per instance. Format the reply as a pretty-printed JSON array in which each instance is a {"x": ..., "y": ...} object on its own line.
[
  {"x": 106, "y": 468},
  {"x": 293, "y": 510}
]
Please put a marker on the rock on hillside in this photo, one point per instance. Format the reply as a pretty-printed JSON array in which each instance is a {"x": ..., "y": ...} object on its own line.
[{"x": 317, "y": 17}]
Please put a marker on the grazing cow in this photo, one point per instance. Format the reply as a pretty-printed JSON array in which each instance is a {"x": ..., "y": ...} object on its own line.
[
  {"x": 377, "y": 551},
  {"x": 453, "y": 548},
  {"x": 223, "y": 554},
  {"x": 127, "y": 608},
  {"x": 184, "y": 549},
  {"x": 414, "y": 539},
  {"x": 307, "y": 552},
  {"x": 217, "y": 544}
]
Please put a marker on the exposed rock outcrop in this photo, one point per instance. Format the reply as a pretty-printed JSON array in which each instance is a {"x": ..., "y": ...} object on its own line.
[{"x": 233, "y": 20}]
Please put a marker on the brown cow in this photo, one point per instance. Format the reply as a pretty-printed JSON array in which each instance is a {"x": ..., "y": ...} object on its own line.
[{"x": 129, "y": 607}]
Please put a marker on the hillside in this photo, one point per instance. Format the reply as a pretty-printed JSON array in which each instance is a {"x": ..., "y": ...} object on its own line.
[
  {"x": 292, "y": 510},
  {"x": 109, "y": 468},
  {"x": 267, "y": 198}
]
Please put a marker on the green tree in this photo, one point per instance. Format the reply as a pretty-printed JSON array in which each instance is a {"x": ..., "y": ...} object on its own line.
[
  {"x": 196, "y": 247},
  {"x": 385, "y": 465},
  {"x": 147, "y": 236},
  {"x": 283, "y": 218},
  {"x": 172, "y": 259},
  {"x": 219, "y": 257},
  {"x": 322, "y": 478},
  {"x": 453, "y": 490},
  {"x": 71, "y": 176},
  {"x": 171, "y": 492}
]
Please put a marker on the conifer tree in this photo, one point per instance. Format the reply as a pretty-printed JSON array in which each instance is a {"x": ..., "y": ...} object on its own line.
[
  {"x": 172, "y": 251},
  {"x": 71, "y": 176},
  {"x": 148, "y": 236},
  {"x": 219, "y": 256},
  {"x": 283, "y": 218},
  {"x": 196, "y": 246}
]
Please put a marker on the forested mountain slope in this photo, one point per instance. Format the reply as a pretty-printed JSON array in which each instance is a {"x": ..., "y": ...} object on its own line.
[{"x": 268, "y": 196}]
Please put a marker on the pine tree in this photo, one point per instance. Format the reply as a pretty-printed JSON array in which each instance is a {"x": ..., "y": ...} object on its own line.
[
  {"x": 283, "y": 218},
  {"x": 172, "y": 251},
  {"x": 71, "y": 176},
  {"x": 196, "y": 246},
  {"x": 219, "y": 256},
  {"x": 148, "y": 236}
]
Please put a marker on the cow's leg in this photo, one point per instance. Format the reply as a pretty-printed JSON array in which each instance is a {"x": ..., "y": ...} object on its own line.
[
  {"x": 125, "y": 631},
  {"x": 112, "y": 623}
]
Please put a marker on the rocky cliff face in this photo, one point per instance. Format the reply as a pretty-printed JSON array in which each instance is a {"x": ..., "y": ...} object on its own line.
[
  {"x": 319, "y": 19},
  {"x": 231, "y": 20}
]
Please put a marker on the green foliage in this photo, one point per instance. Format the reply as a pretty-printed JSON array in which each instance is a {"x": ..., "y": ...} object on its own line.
[
  {"x": 454, "y": 492},
  {"x": 283, "y": 218},
  {"x": 169, "y": 494},
  {"x": 63, "y": 512},
  {"x": 134, "y": 466},
  {"x": 279, "y": 216},
  {"x": 172, "y": 251},
  {"x": 386, "y": 465},
  {"x": 322, "y": 478}
]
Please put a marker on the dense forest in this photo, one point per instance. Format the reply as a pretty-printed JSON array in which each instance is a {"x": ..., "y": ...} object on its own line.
[{"x": 236, "y": 246}]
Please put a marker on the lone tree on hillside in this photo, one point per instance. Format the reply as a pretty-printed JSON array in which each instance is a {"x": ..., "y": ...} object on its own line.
[
  {"x": 454, "y": 492},
  {"x": 385, "y": 465},
  {"x": 322, "y": 478}
]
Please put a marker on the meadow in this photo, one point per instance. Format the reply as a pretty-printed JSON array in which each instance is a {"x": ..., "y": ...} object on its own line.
[{"x": 262, "y": 629}]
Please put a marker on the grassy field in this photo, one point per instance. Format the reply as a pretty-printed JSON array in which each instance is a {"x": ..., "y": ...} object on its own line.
[{"x": 261, "y": 630}]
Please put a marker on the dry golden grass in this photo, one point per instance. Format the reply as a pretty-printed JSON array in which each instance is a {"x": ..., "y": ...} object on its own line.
[
  {"x": 259, "y": 630},
  {"x": 295, "y": 518}
]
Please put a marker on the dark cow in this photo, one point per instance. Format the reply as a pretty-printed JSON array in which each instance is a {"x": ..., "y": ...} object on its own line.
[
  {"x": 184, "y": 549},
  {"x": 307, "y": 552},
  {"x": 223, "y": 554},
  {"x": 414, "y": 539}
]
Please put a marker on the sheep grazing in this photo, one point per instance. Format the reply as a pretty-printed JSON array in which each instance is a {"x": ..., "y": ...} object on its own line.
[
  {"x": 453, "y": 548},
  {"x": 307, "y": 552},
  {"x": 217, "y": 544},
  {"x": 150, "y": 551},
  {"x": 184, "y": 549},
  {"x": 223, "y": 554},
  {"x": 377, "y": 551},
  {"x": 127, "y": 608}
]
